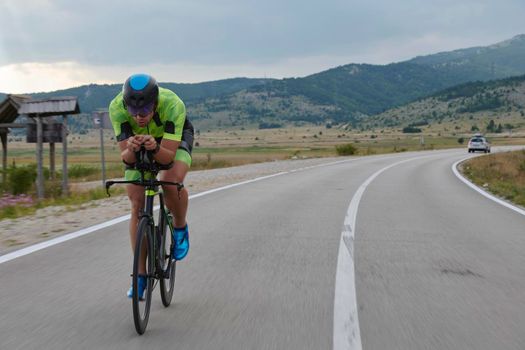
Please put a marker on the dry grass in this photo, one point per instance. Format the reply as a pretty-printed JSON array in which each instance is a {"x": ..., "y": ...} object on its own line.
[
  {"x": 501, "y": 173},
  {"x": 229, "y": 147}
]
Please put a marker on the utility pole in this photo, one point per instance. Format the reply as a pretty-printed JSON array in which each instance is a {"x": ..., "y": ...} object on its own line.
[
  {"x": 65, "y": 176},
  {"x": 98, "y": 119},
  {"x": 39, "y": 157}
]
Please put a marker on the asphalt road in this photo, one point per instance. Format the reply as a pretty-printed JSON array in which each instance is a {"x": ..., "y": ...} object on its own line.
[{"x": 437, "y": 266}]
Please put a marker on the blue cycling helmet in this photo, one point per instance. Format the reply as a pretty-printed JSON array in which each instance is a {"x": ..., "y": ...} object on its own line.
[{"x": 140, "y": 91}]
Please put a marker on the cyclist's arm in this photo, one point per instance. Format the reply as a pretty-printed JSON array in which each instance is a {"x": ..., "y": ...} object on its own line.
[
  {"x": 123, "y": 129},
  {"x": 167, "y": 151},
  {"x": 128, "y": 147},
  {"x": 175, "y": 111}
]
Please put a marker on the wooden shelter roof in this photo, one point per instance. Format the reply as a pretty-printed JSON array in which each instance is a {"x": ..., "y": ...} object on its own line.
[
  {"x": 9, "y": 107},
  {"x": 50, "y": 106}
]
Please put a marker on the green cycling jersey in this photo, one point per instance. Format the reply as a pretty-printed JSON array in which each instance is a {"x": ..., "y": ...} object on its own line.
[{"x": 168, "y": 121}]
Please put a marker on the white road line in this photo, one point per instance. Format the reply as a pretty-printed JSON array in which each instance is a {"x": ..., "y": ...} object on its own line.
[
  {"x": 39, "y": 246},
  {"x": 484, "y": 193},
  {"x": 58, "y": 240},
  {"x": 347, "y": 335}
]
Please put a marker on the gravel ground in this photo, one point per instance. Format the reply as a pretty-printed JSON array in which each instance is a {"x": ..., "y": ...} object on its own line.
[{"x": 58, "y": 220}]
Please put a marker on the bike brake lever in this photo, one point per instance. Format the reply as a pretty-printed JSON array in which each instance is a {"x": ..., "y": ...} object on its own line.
[{"x": 108, "y": 185}]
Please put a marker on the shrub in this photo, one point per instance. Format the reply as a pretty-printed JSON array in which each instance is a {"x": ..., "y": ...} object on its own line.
[
  {"x": 411, "y": 130},
  {"x": 20, "y": 179},
  {"x": 346, "y": 150}
]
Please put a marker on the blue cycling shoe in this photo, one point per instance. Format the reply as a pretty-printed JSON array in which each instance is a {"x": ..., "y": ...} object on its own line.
[
  {"x": 142, "y": 287},
  {"x": 182, "y": 242}
]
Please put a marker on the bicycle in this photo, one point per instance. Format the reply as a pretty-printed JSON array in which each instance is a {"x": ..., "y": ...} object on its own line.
[{"x": 151, "y": 240}]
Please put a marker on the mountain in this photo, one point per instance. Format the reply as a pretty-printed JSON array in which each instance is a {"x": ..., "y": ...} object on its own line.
[
  {"x": 363, "y": 88},
  {"x": 370, "y": 89},
  {"x": 93, "y": 96},
  {"x": 352, "y": 92},
  {"x": 464, "y": 108},
  {"x": 480, "y": 63},
  {"x": 349, "y": 93}
]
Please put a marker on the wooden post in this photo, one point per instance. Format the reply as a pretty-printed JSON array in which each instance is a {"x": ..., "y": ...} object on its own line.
[
  {"x": 3, "y": 136},
  {"x": 52, "y": 160},
  {"x": 102, "y": 149},
  {"x": 39, "y": 158},
  {"x": 65, "y": 189}
]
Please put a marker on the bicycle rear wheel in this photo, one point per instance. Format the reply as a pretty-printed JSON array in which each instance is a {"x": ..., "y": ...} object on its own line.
[
  {"x": 167, "y": 263},
  {"x": 144, "y": 243}
]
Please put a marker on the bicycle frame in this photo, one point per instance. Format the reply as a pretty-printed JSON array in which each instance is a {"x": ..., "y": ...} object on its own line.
[
  {"x": 160, "y": 264},
  {"x": 146, "y": 165}
]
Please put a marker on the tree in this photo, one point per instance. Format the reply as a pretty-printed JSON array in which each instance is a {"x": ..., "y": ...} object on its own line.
[
  {"x": 492, "y": 126},
  {"x": 411, "y": 130}
]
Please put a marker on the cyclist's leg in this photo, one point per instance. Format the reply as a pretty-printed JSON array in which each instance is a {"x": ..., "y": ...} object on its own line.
[
  {"x": 176, "y": 202},
  {"x": 136, "y": 198}
]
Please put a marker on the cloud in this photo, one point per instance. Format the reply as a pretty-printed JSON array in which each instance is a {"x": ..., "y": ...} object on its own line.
[
  {"x": 38, "y": 77},
  {"x": 239, "y": 37},
  {"x": 242, "y": 31}
]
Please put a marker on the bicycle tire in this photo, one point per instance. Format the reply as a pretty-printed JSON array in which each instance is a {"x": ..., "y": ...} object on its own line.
[
  {"x": 141, "y": 308},
  {"x": 166, "y": 262}
]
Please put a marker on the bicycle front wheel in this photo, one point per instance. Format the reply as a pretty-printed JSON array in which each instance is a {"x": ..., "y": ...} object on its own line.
[
  {"x": 167, "y": 263},
  {"x": 143, "y": 247}
]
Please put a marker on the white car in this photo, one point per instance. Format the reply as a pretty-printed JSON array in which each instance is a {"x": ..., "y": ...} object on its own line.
[{"x": 478, "y": 143}]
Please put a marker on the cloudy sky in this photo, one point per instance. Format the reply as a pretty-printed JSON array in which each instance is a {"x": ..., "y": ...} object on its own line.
[{"x": 53, "y": 44}]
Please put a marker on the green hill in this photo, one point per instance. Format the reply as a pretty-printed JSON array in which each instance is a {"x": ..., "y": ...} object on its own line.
[
  {"x": 350, "y": 93},
  {"x": 496, "y": 61},
  {"x": 93, "y": 96},
  {"x": 464, "y": 108},
  {"x": 363, "y": 88},
  {"x": 353, "y": 92}
]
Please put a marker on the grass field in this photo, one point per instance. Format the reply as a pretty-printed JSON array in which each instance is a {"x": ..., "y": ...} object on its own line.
[
  {"x": 224, "y": 148},
  {"x": 501, "y": 173}
]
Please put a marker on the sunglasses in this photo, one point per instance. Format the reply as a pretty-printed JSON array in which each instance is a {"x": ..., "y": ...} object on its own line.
[{"x": 141, "y": 111}]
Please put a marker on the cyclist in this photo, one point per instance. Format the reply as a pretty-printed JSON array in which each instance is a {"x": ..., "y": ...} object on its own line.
[{"x": 146, "y": 114}]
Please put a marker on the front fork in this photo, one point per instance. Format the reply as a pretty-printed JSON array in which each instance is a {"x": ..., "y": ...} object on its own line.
[{"x": 160, "y": 230}]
